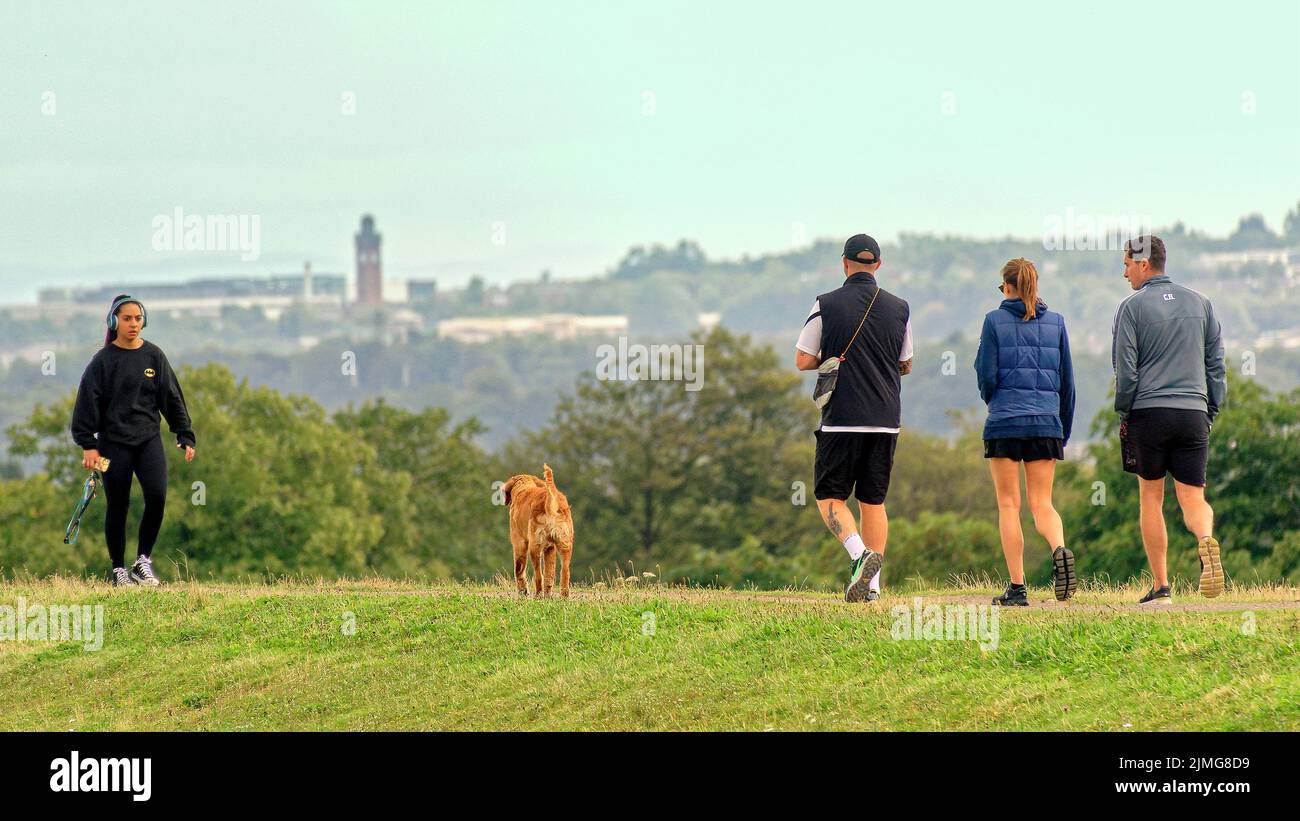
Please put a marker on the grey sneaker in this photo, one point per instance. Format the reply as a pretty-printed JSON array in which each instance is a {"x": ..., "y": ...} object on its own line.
[
  {"x": 860, "y": 573},
  {"x": 142, "y": 572},
  {"x": 121, "y": 578}
]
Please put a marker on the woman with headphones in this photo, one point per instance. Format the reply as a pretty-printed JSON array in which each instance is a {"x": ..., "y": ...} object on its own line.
[{"x": 127, "y": 384}]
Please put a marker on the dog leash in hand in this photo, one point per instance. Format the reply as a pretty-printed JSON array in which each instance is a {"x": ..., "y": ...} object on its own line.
[{"x": 87, "y": 496}]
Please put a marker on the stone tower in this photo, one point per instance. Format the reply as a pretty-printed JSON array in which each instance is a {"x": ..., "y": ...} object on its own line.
[{"x": 370, "y": 272}]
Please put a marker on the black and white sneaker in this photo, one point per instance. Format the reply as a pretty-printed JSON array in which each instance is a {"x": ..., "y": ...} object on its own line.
[
  {"x": 142, "y": 572},
  {"x": 1161, "y": 596},
  {"x": 121, "y": 578},
  {"x": 1064, "y": 580},
  {"x": 1017, "y": 595},
  {"x": 860, "y": 572}
]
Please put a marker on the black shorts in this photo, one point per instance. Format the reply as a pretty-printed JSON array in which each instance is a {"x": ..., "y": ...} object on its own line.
[
  {"x": 845, "y": 460},
  {"x": 1170, "y": 440},
  {"x": 1027, "y": 449}
]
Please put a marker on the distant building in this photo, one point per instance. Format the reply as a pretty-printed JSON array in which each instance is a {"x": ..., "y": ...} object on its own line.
[
  {"x": 421, "y": 290},
  {"x": 557, "y": 326},
  {"x": 1288, "y": 338},
  {"x": 205, "y": 297},
  {"x": 1236, "y": 259},
  {"x": 370, "y": 272},
  {"x": 306, "y": 285},
  {"x": 1288, "y": 258}
]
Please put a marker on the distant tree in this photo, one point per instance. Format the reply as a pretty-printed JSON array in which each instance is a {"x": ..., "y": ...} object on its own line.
[
  {"x": 1252, "y": 232},
  {"x": 1291, "y": 226},
  {"x": 663, "y": 305},
  {"x": 290, "y": 323},
  {"x": 686, "y": 256},
  {"x": 475, "y": 291},
  {"x": 663, "y": 476},
  {"x": 443, "y": 522}
]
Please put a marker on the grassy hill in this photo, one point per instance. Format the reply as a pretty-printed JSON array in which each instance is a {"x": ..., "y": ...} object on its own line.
[{"x": 374, "y": 654}]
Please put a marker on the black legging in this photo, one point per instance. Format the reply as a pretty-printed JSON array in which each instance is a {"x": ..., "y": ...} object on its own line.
[{"x": 149, "y": 463}]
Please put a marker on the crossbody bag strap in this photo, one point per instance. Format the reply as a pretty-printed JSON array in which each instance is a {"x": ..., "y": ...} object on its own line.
[{"x": 860, "y": 324}]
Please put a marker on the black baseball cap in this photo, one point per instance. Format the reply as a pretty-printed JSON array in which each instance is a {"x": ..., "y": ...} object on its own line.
[{"x": 859, "y": 244}]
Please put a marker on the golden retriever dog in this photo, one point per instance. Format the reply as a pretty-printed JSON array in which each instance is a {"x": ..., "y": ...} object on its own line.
[{"x": 541, "y": 527}]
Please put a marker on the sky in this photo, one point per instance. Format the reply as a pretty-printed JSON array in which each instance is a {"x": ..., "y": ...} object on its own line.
[{"x": 507, "y": 138}]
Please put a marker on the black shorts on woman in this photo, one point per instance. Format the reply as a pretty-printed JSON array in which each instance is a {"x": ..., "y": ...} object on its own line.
[{"x": 1025, "y": 448}]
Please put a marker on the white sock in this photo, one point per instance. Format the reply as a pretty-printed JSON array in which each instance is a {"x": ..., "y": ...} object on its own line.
[
  {"x": 854, "y": 545},
  {"x": 875, "y": 582}
]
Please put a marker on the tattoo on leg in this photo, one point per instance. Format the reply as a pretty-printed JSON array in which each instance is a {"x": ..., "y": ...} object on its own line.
[{"x": 832, "y": 521}]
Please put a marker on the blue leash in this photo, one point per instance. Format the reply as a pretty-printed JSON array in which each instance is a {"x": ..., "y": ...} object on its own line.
[{"x": 87, "y": 496}]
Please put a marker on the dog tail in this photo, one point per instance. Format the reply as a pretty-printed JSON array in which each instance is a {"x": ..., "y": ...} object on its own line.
[{"x": 552, "y": 504}]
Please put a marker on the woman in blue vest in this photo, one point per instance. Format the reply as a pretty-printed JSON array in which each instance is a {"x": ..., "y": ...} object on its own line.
[{"x": 1027, "y": 380}]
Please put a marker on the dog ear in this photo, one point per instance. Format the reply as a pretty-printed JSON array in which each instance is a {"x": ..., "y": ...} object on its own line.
[{"x": 507, "y": 487}]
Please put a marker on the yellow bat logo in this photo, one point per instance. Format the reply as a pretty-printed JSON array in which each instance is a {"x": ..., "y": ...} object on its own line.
[{"x": 148, "y": 372}]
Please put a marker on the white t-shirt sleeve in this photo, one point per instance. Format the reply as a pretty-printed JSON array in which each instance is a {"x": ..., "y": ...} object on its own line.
[
  {"x": 810, "y": 338},
  {"x": 906, "y": 353}
]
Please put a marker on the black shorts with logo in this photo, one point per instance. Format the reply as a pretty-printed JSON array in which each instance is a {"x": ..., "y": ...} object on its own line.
[
  {"x": 846, "y": 460},
  {"x": 1170, "y": 440}
]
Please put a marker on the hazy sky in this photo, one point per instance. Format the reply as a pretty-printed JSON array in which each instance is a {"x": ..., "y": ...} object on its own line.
[{"x": 504, "y": 138}]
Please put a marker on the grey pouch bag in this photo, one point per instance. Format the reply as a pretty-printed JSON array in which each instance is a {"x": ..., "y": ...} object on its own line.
[{"x": 827, "y": 374}]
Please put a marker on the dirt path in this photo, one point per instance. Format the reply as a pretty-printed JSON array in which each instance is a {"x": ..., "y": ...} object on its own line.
[
  {"x": 1181, "y": 605},
  {"x": 613, "y": 596}
]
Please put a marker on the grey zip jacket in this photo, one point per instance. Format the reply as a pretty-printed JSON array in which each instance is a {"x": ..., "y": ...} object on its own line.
[{"x": 1167, "y": 350}]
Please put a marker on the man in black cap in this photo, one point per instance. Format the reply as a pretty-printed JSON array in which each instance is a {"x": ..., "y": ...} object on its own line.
[{"x": 870, "y": 331}]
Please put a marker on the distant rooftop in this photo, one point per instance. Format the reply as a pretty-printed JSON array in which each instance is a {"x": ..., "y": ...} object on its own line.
[
  {"x": 557, "y": 326},
  {"x": 287, "y": 285}
]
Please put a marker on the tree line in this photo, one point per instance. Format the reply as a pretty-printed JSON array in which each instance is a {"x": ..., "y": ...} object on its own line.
[{"x": 710, "y": 487}]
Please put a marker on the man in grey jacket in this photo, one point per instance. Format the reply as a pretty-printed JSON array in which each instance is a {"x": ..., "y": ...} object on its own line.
[{"x": 1170, "y": 382}]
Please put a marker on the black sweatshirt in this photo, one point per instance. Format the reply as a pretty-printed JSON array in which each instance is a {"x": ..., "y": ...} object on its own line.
[{"x": 121, "y": 395}]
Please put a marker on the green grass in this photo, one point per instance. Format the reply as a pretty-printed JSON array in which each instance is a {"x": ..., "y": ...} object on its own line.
[{"x": 278, "y": 657}]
